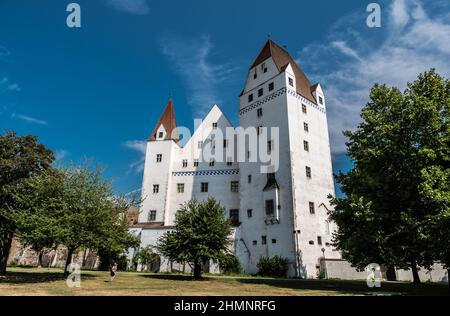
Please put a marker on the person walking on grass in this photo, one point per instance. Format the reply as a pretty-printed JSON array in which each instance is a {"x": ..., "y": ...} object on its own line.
[{"x": 113, "y": 271}]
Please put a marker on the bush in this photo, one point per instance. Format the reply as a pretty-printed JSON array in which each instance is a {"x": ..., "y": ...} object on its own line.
[
  {"x": 229, "y": 263},
  {"x": 275, "y": 266}
]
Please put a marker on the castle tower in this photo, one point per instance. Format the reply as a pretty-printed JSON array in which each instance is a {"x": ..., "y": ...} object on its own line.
[
  {"x": 157, "y": 169},
  {"x": 284, "y": 211}
]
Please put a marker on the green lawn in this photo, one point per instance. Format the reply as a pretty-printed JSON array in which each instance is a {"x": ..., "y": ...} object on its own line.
[{"x": 32, "y": 281}]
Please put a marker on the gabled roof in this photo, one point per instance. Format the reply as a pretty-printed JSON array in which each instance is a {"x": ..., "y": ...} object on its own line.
[
  {"x": 168, "y": 121},
  {"x": 282, "y": 59}
]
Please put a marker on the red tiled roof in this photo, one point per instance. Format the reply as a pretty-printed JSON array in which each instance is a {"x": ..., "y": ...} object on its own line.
[
  {"x": 149, "y": 225},
  {"x": 168, "y": 121},
  {"x": 282, "y": 59}
]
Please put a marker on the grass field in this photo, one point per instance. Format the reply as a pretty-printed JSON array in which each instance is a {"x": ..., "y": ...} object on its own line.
[{"x": 31, "y": 281}]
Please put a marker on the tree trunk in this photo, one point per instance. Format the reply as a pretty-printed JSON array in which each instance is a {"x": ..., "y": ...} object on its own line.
[
  {"x": 68, "y": 260},
  {"x": 40, "y": 255},
  {"x": 415, "y": 272},
  {"x": 448, "y": 279},
  {"x": 4, "y": 251},
  {"x": 84, "y": 258},
  {"x": 197, "y": 271}
]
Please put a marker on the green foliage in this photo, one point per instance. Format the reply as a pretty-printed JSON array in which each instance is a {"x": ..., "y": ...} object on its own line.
[
  {"x": 73, "y": 207},
  {"x": 20, "y": 158},
  {"x": 275, "y": 266},
  {"x": 148, "y": 259},
  {"x": 201, "y": 232},
  {"x": 229, "y": 264},
  {"x": 395, "y": 209}
]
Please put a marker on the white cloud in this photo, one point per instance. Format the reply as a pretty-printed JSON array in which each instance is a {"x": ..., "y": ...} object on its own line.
[
  {"x": 4, "y": 53},
  {"x": 60, "y": 154},
  {"x": 141, "y": 147},
  {"x": 138, "y": 7},
  {"x": 412, "y": 39},
  {"x": 190, "y": 58},
  {"x": 28, "y": 119},
  {"x": 7, "y": 85}
]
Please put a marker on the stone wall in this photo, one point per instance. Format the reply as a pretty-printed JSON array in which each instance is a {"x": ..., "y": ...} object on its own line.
[
  {"x": 341, "y": 269},
  {"x": 20, "y": 255}
]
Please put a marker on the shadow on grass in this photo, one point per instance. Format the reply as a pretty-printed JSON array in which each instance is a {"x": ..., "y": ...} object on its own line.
[
  {"x": 353, "y": 287},
  {"x": 172, "y": 277},
  {"x": 34, "y": 277}
]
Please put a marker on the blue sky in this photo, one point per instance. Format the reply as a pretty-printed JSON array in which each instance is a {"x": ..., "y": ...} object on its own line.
[{"x": 97, "y": 91}]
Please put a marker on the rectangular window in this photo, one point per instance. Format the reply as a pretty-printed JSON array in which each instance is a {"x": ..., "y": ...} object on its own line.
[
  {"x": 304, "y": 108},
  {"x": 254, "y": 242},
  {"x": 234, "y": 217},
  {"x": 180, "y": 187},
  {"x": 151, "y": 216},
  {"x": 195, "y": 162},
  {"x": 291, "y": 82},
  {"x": 259, "y": 130},
  {"x": 306, "y": 127},
  {"x": 211, "y": 163},
  {"x": 270, "y": 209},
  {"x": 204, "y": 187},
  {"x": 250, "y": 97},
  {"x": 271, "y": 86},
  {"x": 274, "y": 241},
  {"x": 320, "y": 100},
  {"x": 249, "y": 178},
  {"x": 305, "y": 145},
  {"x": 249, "y": 213},
  {"x": 311, "y": 208},
  {"x": 269, "y": 146},
  {"x": 259, "y": 112},
  {"x": 264, "y": 240},
  {"x": 161, "y": 134},
  {"x": 225, "y": 143},
  {"x": 156, "y": 188},
  {"x": 229, "y": 161},
  {"x": 308, "y": 172},
  {"x": 214, "y": 125},
  {"x": 184, "y": 163},
  {"x": 234, "y": 186},
  {"x": 260, "y": 92},
  {"x": 158, "y": 157},
  {"x": 319, "y": 240}
]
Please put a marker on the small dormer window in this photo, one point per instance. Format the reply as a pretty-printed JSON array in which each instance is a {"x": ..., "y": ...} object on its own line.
[
  {"x": 214, "y": 125},
  {"x": 255, "y": 75},
  {"x": 161, "y": 134},
  {"x": 185, "y": 163},
  {"x": 263, "y": 67},
  {"x": 211, "y": 163},
  {"x": 320, "y": 100},
  {"x": 291, "y": 82}
]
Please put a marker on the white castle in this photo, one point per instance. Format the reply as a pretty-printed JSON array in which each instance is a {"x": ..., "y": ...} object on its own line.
[{"x": 278, "y": 208}]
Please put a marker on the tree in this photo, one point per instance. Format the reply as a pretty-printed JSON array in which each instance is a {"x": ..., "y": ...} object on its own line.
[
  {"x": 73, "y": 207},
  {"x": 146, "y": 258},
  {"x": 201, "y": 233},
  {"x": 384, "y": 216},
  {"x": 20, "y": 158}
]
